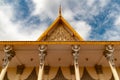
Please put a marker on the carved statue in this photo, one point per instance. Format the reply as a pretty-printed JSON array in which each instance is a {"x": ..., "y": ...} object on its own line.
[
  {"x": 108, "y": 53},
  {"x": 9, "y": 54},
  {"x": 42, "y": 49},
  {"x": 76, "y": 49}
]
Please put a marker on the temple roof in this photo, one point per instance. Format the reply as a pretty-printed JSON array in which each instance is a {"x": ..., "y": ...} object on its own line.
[
  {"x": 60, "y": 30},
  {"x": 59, "y": 37}
]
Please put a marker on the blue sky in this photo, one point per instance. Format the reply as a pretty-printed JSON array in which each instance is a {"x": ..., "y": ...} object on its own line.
[{"x": 28, "y": 19}]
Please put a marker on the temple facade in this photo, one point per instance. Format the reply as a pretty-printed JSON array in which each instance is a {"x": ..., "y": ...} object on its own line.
[{"x": 60, "y": 54}]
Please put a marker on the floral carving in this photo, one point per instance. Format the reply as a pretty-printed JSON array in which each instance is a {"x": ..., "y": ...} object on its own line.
[{"x": 60, "y": 33}]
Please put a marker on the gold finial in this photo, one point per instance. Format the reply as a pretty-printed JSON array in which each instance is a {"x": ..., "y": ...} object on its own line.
[{"x": 60, "y": 10}]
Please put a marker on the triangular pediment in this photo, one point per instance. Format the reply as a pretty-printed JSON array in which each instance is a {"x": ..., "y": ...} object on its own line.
[{"x": 60, "y": 30}]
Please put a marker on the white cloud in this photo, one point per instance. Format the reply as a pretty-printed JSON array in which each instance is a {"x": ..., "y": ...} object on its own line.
[
  {"x": 103, "y": 3},
  {"x": 82, "y": 28},
  {"x": 90, "y": 2},
  {"x": 114, "y": 32},
  {"x": 39, "y": 6},
  {"x": 9, "y": 30},
  {"x": 70, "y": 16},
  {"x": 15, "y": 31},
  {"x": 117, "y": 22},
  {"x": 85, "y": 8},
  {"x": 45, "y": 8}
]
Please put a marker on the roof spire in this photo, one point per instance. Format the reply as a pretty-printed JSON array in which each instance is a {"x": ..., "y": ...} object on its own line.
[{"x": 60, "y": 11}]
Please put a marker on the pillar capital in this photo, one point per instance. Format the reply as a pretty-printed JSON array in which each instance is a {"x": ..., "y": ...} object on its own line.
[
  {"x": 42, "y": 48},
  {"x": 108, "y": 53},
  {"x": 9, "y": 54},
  {"x": 42, "y": 53},
  {"x": 76, "y": 48}
]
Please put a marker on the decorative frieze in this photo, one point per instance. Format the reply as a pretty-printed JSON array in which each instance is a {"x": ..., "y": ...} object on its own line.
[{"x": 60, "y": 33}]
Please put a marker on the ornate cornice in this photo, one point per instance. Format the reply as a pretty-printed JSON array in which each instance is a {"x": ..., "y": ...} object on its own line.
[{"x": 59, "y": 42}]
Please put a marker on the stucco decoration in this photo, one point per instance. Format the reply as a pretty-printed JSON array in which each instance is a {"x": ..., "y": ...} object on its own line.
[{"x": 60, "y": 34}]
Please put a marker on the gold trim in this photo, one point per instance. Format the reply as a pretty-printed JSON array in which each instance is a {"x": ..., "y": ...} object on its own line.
[
  {"x": 70, "y": 27},
  {"x": 79, "y": 42},
  {"x": 48, "y": 29}
]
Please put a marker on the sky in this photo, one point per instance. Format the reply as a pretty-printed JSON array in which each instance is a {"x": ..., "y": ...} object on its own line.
[{"x": 26, "y": 20}]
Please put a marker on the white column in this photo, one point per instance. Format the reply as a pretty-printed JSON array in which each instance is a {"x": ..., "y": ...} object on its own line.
[
  {"x": 76, "y": 49},
  {"x": 40, "y": 74},
  {"x": 115, "y": 74},
  {"x": 9, "y": 54},
  {"x": 77, "y": 73},
  {"x": 108, "y": 53},
  {"x": 3, "y": 72},
  {"x": 42, "y": 54}
]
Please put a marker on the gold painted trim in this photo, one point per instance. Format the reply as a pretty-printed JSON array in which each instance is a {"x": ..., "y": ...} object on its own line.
[
  {"x": 70, "y": 27},
  {"x": 48, "y": 29},
  {"x": 79, "y": 42}
]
